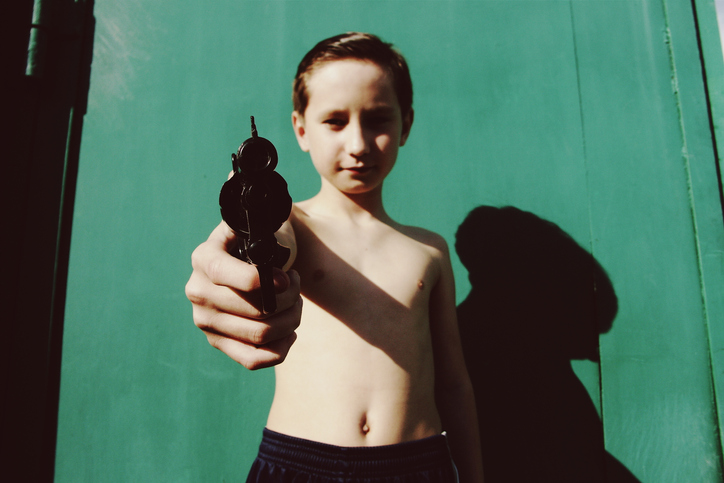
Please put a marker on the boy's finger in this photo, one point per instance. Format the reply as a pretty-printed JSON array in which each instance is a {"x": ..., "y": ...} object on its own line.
[
  {"x": 221, "y": 268},
  {"x": 250, "y": 356},
  {"x": 218, "y": 298},
  {"x": 248, "y": 331},
  {"x": 209, "y": 298},
  {"x": 222, "y": 236},
  {"x": 212, "y": 260}
]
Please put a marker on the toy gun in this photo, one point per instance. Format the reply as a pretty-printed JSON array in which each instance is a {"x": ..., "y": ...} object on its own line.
[{"x": 255, "y": 203}]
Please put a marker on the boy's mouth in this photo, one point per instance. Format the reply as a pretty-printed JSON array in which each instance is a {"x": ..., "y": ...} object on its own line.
[{"x": 359, "y": 169}]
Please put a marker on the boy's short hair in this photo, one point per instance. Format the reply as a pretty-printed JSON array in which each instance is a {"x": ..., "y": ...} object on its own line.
[{"x": 354, "y": 45}]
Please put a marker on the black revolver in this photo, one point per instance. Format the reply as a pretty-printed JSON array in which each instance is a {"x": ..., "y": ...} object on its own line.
[{"x": 255, "y": 203}]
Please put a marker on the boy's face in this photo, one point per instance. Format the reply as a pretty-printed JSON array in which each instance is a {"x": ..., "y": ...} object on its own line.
[{"x": 352, "y": 127}]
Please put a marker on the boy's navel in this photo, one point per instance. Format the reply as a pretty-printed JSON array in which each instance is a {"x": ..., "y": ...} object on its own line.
[{"x": 363, "y": 426}]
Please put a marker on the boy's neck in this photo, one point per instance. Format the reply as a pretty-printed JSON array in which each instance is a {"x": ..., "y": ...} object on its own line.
[{"x": 354, "y": 207}]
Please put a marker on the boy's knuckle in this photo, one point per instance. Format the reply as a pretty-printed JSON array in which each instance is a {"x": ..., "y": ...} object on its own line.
[
  {"x": 201, "y": 321},
  {"x": 255, "y": 313},
  {"x": 207, "y": 319},
  {"x": 198, "y": 257},
  {"x": 251, "y": 364},
  {"x": 257, "y": 362},
  {"x": 194, "y": 292},
  {"x": 214, "y": 340},
  {"x": 195, "y": 257},
  {"x": 260, "y": 335}
]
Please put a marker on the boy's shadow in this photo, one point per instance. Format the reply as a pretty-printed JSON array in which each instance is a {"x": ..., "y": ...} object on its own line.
[{"x": 537, "y": 301}]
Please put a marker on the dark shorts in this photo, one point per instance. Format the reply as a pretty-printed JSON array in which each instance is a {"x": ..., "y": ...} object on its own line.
[{"x": 286, "y": 459}]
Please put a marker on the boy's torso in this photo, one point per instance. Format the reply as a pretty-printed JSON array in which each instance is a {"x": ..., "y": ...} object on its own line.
[{"x": 361, "y": 372}]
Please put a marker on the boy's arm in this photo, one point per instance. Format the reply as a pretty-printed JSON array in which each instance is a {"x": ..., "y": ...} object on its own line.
[
  {"x": 453, "y": 389},
  {"x": 224, "y": 293}
]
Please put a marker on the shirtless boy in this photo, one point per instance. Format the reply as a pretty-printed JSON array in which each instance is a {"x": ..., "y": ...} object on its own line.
[{"x": 376, "y": 372}]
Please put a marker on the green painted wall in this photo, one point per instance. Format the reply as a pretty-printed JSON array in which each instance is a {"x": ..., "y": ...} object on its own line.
[{"x": 590, "y": 114}]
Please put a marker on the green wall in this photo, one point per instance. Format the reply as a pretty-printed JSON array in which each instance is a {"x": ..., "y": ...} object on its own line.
[{"x": 590, "y": 114}]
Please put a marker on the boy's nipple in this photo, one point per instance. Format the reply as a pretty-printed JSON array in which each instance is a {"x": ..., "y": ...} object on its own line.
[
  {"x": 317, "y": 275},
  {"x": 420, "y": 284}
]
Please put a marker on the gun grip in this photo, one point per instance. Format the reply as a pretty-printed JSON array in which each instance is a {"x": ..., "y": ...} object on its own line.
[{"x": 268, "y": 293}]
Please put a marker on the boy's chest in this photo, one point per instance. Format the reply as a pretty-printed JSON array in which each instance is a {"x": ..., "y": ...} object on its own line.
[{"x": 385, "y": 272}]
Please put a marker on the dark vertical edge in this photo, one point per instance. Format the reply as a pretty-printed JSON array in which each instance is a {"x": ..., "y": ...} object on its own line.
[
  {"x": 707, "y": 200},
  {"x": 712, "y": 73},
  {"x": 60, "y": 281},
  {"x": 712, "y": 67},
  {"x": 44, "y": 114},
  {"x": 19, "y": 93}
]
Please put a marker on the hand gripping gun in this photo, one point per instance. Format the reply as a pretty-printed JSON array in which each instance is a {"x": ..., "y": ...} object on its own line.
[{"x": 255, "y": 203}]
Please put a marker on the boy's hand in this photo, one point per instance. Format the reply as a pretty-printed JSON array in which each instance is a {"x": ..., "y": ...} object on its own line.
[{"x": 226, "y": 302}]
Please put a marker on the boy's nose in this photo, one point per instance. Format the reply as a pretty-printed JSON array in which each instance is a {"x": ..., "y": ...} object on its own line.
[{"x": 357, "y": 142}]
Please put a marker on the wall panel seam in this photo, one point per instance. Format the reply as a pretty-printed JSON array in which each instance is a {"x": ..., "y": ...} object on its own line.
[{"x": 686, "y": 158}]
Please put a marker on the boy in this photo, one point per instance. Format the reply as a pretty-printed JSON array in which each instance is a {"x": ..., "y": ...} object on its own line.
[{"x": 377, "y": 371}]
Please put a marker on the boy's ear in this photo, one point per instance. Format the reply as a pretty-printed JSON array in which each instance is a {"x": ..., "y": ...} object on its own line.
[
  {"x": 406, "y": 126},
  {"x": 299, "y": 131}
]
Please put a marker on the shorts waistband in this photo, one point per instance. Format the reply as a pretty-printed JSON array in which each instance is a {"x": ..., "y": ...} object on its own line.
[{"x": 361, "y": 461}]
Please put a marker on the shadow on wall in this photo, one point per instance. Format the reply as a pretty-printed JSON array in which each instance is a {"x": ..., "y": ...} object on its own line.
[{"x": 538, "y": 300}]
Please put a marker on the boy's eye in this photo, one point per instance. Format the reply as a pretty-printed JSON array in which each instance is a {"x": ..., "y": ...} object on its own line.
[
  {"x": 335, "y": 122},
  {"x": 378, "y": 118}
]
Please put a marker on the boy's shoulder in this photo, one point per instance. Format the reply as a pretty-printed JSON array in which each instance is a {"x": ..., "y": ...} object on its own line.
[{"x": 424, "y": 236}]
